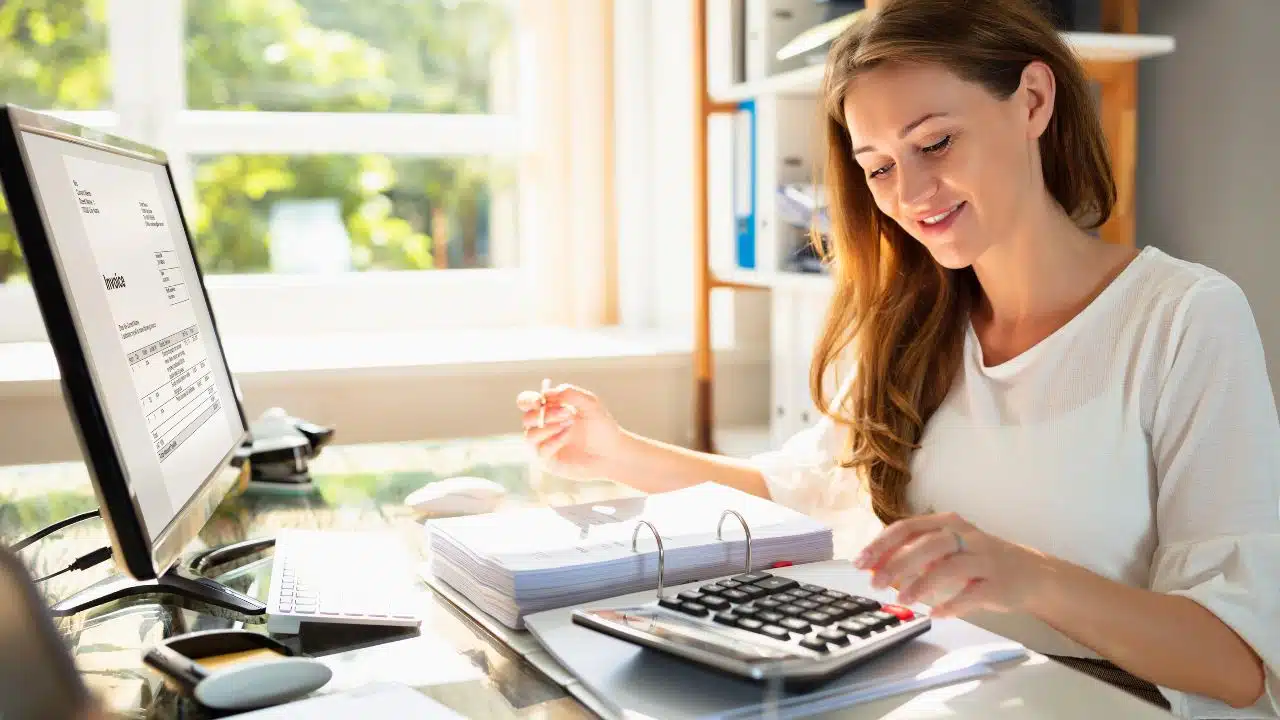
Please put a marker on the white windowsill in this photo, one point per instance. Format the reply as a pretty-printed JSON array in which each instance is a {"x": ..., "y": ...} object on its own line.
[{"x": 27, "y": 367}]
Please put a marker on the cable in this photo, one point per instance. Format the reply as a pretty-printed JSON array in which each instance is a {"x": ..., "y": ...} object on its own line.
[
  {"x": 84, "y": 562},
  {"x": 45, "y": 532}
]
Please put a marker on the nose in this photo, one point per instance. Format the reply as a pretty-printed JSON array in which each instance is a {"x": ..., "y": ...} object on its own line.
[{"x": 916, "y": 185}]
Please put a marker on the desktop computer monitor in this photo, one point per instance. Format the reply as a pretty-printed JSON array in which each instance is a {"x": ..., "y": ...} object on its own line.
[{"x": 143, "y": 371}]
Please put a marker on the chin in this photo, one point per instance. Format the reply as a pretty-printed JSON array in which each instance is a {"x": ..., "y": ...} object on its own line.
[{"x": 953, "y": 255}]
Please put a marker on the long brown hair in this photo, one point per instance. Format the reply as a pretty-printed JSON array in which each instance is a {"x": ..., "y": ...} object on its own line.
[{"x": 899, "y": 315}]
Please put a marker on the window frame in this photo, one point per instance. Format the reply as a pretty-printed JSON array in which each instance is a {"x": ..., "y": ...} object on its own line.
[{"x": 146, "y": 57}]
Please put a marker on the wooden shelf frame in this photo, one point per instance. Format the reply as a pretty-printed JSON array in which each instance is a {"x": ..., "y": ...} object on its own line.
[{"x": 1111, "y": 61}]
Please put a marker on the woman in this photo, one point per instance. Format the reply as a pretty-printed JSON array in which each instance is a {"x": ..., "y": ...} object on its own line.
[{"x": 1072, "y": 443}]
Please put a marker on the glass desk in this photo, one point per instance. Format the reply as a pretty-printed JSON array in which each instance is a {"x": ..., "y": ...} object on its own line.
[{"x": 450, "y": 658}]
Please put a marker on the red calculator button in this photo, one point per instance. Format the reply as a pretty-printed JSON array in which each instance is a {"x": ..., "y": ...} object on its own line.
[{"x": 900, "y": 612}]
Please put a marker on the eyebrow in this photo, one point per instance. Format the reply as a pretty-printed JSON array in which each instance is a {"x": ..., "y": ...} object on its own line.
[{"x": 905, "y": 131}]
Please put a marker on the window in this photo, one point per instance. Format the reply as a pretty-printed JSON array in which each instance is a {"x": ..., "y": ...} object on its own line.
[{"x": 405, "y": 154}]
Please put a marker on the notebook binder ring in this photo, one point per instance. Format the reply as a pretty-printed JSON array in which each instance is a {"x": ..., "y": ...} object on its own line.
[
  {"x": 661, "y": 553},
  {"x": 745, "y": 528}
]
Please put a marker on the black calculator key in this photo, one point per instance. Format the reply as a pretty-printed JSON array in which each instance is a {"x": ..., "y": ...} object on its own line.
[
  {"x": 849, "y": 606},
  {"x": 825, "y": 598},
  {"x": 800, "y": 593},
  {"x": 715, "y": 603},
  {"x": 837, "y": 637},
  {"x": 746, "y": 610},
  {"x": 726, "y": 618},
  {"x": 735, "y": 595},
  {"x": 776, "y": 584},
  {"x": 865, "y": 603},
  {"x": 752, "y": 591},
  {"x": 872, "y": 623},
  {"x": 729, "y": 584},
  {"x": 857, "y": 627},
  {"x": 813, "y": 588},
  {"x": 691, "y": 596},
  {"x": 693, "y": 608},
  {"x": 817, "y": 618},
  {"x": 670, "y": 601},
  {"x": 814, "y": 644},
  {"x": 750, "y": 624},
  {"x": 769, "y": 604},
  {"x": 769, "y": 617},
  {"x": 837, "y": 594},
  {"x": 791, "y": 610},
  {"x": 712, "y": 589},
  {"x": 835, "y": 612},
  {"x": 807, "y": 604},
  {"x": 886, "y": 618},
  {"x": 776, "y": 632},
  {"x": 795, "y": 625},
  {"x": 752, "y": 577},
  {"x": 784, "y": 597}
]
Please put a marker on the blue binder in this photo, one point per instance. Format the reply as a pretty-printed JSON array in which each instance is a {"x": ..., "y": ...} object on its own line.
[{"x": 744, "y": 193}]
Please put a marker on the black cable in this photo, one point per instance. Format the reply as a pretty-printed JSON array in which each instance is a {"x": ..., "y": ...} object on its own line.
[
  {"x": 45, "y": 532},
  {"x": 84, "y": 562}
]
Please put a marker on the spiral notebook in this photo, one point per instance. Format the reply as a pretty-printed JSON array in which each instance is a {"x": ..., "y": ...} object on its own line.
[{"x": 517, "y": 562}]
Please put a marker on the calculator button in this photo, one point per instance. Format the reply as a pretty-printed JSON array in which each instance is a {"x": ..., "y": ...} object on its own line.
[
  {"x": 730, "y": 584},
  {"x": 693, "y": 608},
  {"x": 734, "y": 595},
  {"x": 838, "y": 637},
  {"x": 691, "y": 596},
  {"x": 747, "y": 610},
  {"x": 898, "y": 611},
  {"x": 837, "y": 594},
  {"x": 750, "y": 624},
  {"x": 769, "y": 617},
  {"x": 752, "y": 577},
  {"x": 857, "y": 627},
  {"x": 785, "y": 598},
  {"x": 712, "y": 589},
  {"x": 825, "y": 598},
  {"x": 813, "y": 588},
  {"x": 800, "y": 593},
  {"x": 795, "y": 625},
  {"x": 886, "y": 618},
  {"x": 836, "y": 612},
  {"x": 814, "y": 644},
  {"x": 865, "y": 603},
  {"x": 671, "y": 602},
  {"x": 752, "y": 591},
  {"x": 726, "y": 618},
  {"x": 807, "y": 604},
  {"x": 776, "y": 584},
  {"x": 776, "y": 632},
  {"x": 848, "y": 606},
  {"x": 769, "y": 604},
  {"x": 791, "y": 610},
  {"x": 715, "y": 603},
  {"x": 817, "y": 618},
  {"x": 873, "y": 623}
]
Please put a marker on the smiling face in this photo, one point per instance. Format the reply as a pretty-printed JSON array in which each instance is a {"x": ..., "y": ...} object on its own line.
[{"x": 953, "y": 165}]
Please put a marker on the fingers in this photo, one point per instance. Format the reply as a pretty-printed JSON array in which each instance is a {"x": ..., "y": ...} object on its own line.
[
  {"x": 572, "y": 395},
  {"x": 554, "y": 416},
  {"x": 942, "y": 579},
  {"x": 900, "y": 533},
  {"x": 975, "y": 596},
  {"x": 529, "y": 400},
  {"x": 913, "y": 559},
  {"x": 552, "y": 446}
]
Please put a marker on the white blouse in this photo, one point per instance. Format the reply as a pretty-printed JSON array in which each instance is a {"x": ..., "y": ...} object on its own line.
[{"x": 1140, "y": 441}]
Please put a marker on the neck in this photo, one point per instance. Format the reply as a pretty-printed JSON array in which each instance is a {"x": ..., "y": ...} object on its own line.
[{"x": 1037, "y": 269}]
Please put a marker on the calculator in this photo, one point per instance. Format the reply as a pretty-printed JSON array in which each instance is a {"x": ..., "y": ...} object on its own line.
[{"x": 763, "y": 627}]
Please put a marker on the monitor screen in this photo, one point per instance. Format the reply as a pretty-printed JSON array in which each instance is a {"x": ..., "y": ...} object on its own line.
[{"x": 126, "y": 265}]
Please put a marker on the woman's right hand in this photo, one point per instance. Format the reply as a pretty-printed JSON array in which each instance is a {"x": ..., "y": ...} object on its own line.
[{"x": 579, "y": 439}]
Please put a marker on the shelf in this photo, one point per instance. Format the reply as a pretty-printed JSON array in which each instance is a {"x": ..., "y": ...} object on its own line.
[
  {"x": 775, "y": 280},
  {"x": 1096, "y": 47}
]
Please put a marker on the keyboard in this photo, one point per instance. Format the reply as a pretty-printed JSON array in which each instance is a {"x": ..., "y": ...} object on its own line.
[
  {"x": 762, "y": 626},
  {"x": 361, "y": 578}
]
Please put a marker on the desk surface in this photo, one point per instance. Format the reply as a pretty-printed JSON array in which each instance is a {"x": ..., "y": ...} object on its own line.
[{"x": 451, "y": 658}]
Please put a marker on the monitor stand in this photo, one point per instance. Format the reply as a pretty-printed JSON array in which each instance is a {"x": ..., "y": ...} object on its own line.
[{"x": 183, "y": 580}]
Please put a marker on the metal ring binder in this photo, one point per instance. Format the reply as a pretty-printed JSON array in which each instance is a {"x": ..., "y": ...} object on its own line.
[
  {"x": 662, "y": 560},
  {"x": 745, "y": 528}
]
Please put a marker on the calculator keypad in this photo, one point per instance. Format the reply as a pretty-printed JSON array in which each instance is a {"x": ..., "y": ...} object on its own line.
[{"x": 817, "y": 618}]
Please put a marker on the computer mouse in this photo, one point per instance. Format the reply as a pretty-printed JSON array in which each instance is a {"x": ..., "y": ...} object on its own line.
[
  {"x": 456, "y": 496},
  {"x": 262, "y": 684}
]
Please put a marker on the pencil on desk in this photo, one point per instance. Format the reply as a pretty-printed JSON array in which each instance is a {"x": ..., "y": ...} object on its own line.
[{"x": 542, "y": 411}]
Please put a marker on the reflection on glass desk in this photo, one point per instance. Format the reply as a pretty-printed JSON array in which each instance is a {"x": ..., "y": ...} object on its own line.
[{"x": 449, "y": 658}]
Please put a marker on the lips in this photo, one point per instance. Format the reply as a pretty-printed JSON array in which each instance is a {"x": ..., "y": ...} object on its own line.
[{"x": 939, "y": 221}]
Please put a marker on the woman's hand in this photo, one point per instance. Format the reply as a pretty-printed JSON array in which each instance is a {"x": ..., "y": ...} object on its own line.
[
  {"x": 579, "y": 438},
  {"x": 945, "y": 562}
]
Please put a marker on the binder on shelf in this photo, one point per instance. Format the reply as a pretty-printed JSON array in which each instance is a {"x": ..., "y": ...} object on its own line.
[
  {"x": 744, "y": 184},
  {"x": 513, "y": 563}
]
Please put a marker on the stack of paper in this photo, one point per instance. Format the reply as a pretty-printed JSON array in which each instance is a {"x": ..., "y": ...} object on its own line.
[{"x": 523, "y": 561}]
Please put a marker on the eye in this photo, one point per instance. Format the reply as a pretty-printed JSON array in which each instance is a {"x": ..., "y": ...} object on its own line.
[
  {"x": 880, "y": 171},
  {"x": 939, "y": 146}
]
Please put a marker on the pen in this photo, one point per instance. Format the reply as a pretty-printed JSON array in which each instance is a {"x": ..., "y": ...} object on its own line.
[{"x": 542, "y": 411}]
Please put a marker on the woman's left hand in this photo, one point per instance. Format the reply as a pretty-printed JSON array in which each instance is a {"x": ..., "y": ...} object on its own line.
[{"x": 945, "y": 562}]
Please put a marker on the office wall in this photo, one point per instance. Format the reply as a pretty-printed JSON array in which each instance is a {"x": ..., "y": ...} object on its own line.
[{"x": 1207, "y": 124}]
